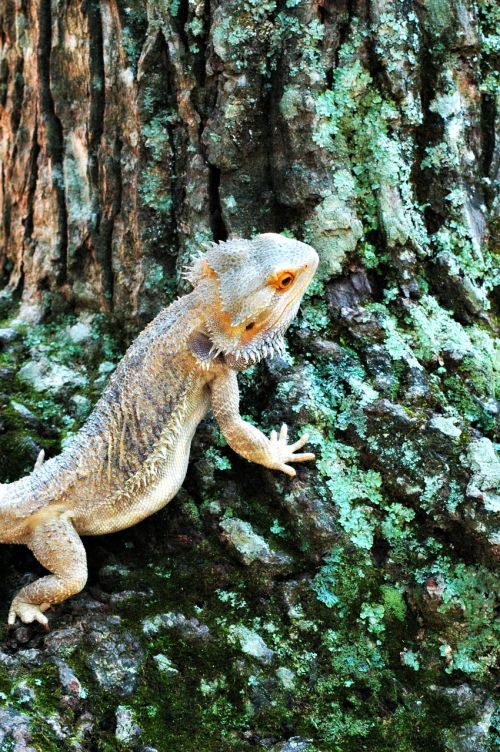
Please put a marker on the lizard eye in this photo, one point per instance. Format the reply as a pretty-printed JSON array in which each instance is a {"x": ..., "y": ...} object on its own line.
[{"x": 283, "y": 280}]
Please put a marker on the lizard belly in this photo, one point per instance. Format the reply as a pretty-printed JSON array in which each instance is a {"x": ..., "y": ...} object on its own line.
[
  {"x": 151, "y": 500},
  {"x": 113, "y": 515}
]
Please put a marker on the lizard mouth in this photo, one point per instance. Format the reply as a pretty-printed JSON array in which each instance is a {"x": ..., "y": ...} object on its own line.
[
  {"x": 268, "y": 342},
  {"x": 248, "y": 350}
]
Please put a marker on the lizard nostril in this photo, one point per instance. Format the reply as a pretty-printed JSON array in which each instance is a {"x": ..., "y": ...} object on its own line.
[{"x": 250, "y": 326}]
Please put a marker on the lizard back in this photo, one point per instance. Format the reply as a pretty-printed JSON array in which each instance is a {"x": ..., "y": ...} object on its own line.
[{"x": 144, "y": 400}]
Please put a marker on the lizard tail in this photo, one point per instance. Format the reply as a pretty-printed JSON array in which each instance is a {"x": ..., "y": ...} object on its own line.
[
  {"x": 39, "y": 462},
  {"x": 4, "y": 486}
]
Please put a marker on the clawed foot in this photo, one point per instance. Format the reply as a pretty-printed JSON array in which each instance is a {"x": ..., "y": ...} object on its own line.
[
  {"x": 283, "y": 452},
  {"x": 28, "y": 613}
]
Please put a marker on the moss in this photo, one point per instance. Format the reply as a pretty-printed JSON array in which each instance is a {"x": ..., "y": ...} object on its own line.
[
  {"x": 394, "y": 605},
  {"x": 36, "y": 694}
]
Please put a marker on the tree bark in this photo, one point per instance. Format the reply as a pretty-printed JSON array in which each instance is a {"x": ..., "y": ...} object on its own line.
[{"x": 132, "y": 133}]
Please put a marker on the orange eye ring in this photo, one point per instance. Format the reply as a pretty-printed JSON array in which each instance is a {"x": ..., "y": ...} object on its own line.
[{"x": 283, "y": 280}]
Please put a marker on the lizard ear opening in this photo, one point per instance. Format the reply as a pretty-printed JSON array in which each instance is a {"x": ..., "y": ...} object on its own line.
[{"x": 203, "y": 348}]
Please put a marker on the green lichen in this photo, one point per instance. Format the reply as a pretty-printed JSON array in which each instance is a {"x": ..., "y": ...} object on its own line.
[
  {"x": 133, "y": 31},
  {"x": 53, "y": 410},
  {"x": 154, "y": 191},
  {"x": 355, "y": 121},
  {"x": 489, "y": 24}
]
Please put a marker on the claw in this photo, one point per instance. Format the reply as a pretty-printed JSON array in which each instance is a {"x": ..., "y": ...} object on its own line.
[
  {"x": 40, "y": 459},
  {"x": 283, "y": 432}
]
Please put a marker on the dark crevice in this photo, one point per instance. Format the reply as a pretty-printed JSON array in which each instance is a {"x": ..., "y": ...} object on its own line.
[
  {"x": 488, "y": 117},
  {"x": 17, "y": 102},
  {"x": 4, "y": 78},
  {"x": 104, "y": 241},
  {"x": 273, "y": 95},
  {"x": 282, "y": 216},
  {"x": 488, "y": 64},
  {"x": 6, "y": 209},
  {"x": 180, "y": 21},
  {"x": 201, "y": 63},
  {"x": 219, "y": 230},
  {"x": 344, "y": 26},
  {"x": 468, "y": 547},
  {"x": 281, "y": 5},
  {"x": 377, "y": 70},
  {"x": 160, "y": 224},
  {"x": 206, "y": 92},
  {"x": 33, "y": 177},
  {"x": 53, "y": 128},
  {"x": 103, "y": 230},
  {"x": 330, "y": 13},
  {"x": 205, "y": 101},
  {"x": 97, "y": 87},
  {"x": 176, "y": 158},
  {"x": 428, "y": 133},
  {"x": 134, "y": 28}
]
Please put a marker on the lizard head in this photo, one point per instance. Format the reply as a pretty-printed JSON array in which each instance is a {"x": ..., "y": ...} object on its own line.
[{"x": 253, "y": 290}]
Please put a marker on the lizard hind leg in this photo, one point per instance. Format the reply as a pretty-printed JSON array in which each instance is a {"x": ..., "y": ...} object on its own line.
[{"x": 58, "y": 547}]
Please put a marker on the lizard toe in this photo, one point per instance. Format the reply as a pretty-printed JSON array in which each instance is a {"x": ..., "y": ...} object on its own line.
[{"x": 27, "y": 612}]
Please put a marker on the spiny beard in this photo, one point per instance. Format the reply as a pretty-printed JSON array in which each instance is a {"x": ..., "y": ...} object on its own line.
[
  {"x": 244, "y": 357},
  {"x": 240, "y": 358}
]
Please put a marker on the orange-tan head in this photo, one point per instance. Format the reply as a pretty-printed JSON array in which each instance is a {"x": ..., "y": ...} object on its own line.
[{"x": 254, "y": 289}]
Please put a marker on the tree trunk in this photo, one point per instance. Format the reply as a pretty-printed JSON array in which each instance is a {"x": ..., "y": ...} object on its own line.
[{"x": 343, "y": 607}]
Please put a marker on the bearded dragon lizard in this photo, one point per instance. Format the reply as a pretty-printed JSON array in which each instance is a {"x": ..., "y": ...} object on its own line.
[{"x": 130, "y": 457}]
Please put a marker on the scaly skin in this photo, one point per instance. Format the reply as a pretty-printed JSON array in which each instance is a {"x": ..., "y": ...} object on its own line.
[{"x": 131, "y": 456}]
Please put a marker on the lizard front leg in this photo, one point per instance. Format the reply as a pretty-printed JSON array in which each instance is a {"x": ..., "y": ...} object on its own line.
[
  {"x": 57, "y": 546},
  {"x": 247, "y": 440}
]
